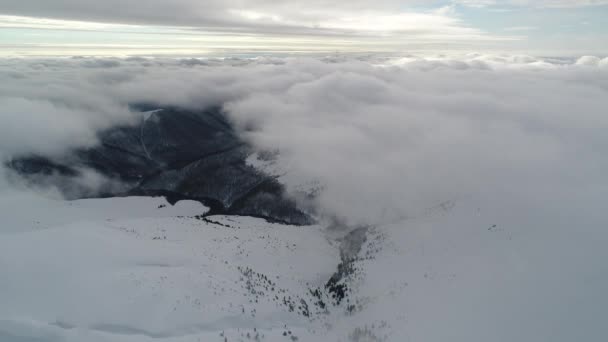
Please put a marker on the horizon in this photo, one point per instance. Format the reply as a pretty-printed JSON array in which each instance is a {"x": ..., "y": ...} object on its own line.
[{"x": 553, "y": 28}]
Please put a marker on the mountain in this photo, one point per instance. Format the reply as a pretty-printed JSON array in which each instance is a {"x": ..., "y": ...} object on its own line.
[{"x": 176, "y": 153}]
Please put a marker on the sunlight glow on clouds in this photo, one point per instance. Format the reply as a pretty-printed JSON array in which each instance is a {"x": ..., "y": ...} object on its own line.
[
  {"x": 11, "y": 21},
  {"x": 28, "y": 26}
]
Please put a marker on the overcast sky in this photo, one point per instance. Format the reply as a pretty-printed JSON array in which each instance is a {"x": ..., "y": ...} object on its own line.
[{"x": 193, "y": 27}]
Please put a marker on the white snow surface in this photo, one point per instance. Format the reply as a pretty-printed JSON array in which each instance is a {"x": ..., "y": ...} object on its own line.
[
  {"x": 138, "y": 269},
  {"x": 125, "y": 269}
]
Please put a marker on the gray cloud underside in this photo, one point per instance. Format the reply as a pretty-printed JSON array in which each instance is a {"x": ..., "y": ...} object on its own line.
[
  {"x": 212, "y": 14},
  {"x": 261, "y": 17},
  {"x": 215, "y": 14}
]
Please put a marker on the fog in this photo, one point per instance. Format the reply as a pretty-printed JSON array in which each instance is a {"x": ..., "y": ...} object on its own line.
[{"x": 384, "y": 138}]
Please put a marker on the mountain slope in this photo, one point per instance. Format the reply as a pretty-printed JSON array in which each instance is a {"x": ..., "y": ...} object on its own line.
[{"x": 176, "y": 153}]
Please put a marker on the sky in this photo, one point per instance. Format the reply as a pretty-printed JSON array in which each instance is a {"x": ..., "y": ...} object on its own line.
[{"x": 257, "y": 27}]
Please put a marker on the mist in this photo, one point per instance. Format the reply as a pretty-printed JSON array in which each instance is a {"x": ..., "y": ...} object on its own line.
[{"x": 384, "y": 138}]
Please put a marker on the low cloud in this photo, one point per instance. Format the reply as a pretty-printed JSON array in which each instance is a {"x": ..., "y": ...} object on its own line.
[
  {"x": 389, "y": 142},
  {"x": 384, "y": 138}
]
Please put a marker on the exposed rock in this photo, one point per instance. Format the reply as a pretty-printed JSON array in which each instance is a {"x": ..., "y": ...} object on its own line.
[{"x": 350, "y": 247}]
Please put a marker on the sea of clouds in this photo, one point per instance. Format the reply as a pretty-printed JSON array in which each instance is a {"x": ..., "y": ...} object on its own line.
[{"x": 384, "y": 137}]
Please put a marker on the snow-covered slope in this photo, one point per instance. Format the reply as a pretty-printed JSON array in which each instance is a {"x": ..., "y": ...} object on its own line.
[
  {"x": 179, "y": 153},
  {"x": 93, "y": 270},
  {"x": 158, "y": 272},
  {"x": 468, "y": 270}
]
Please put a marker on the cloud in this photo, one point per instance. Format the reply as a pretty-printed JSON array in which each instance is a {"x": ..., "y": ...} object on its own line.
[
  {"x": 387, "y": 143},
  {"x": 191, "y": 27},
  {"x": 47, "y": 108},
  {"x": 245, "y": 17},
  {"x": 385, "y": 138},
  {"x": 590, "y": 61},
  {"x": 208, "y": 14}
]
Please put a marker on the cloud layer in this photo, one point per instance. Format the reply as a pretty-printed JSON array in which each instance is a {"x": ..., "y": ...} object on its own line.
[
  {"x": 384, "y": 138},
  {"x": 365, "y": 25},
  {"x": 260, "y": 15}
]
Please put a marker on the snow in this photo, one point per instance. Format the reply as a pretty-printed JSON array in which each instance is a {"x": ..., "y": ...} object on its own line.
[
  {"x": 25, "y": 211},
  {"x": 127, "y": 270},
  {"x": 138, "y": 269},
  {"x": 469, "y": 271},
  {"x": 146, "y": 115}
]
